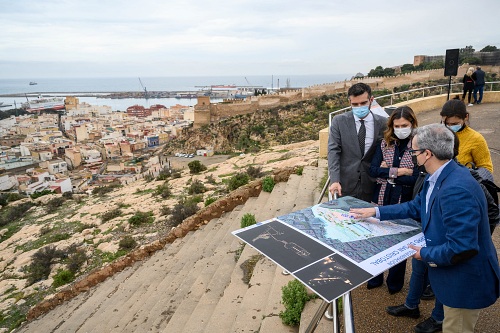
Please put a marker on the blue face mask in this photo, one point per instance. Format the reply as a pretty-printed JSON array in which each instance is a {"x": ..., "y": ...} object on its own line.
[
  {"x": 361, "y": 111},
  {"x": 455, "y": 128}
]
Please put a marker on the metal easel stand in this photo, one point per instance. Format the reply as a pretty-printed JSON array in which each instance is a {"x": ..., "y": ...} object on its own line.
[{"x": 330, "y": 310}]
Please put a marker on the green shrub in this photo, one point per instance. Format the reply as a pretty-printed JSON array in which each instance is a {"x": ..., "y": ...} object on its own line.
[
  {"x": 210, "y": 200},
  {"x": 76, "y": 260},
  {"x": 67, "y": 195},
  {"x": 103, "y": 190},
  {"x": 3, "y": 200},
  {"x": 196, "y": 187},
  {"x": 141, "y": 218},
  {"x": 39, "y": 269},
  {"x": 54, "y": 204},
  {"x": 247, "y": 220},
  {"x": 196, "y": 167},
  {"x": 10, "y": 214},
  {"x": 182, "y": 210},
  {"x": 149, "y": 178},
  {"x": 238, "y": 180},
  {"x": 211, "y": 179},
  {"x": 294, "y": 298},
  {"x": 254, "y": 172},
  {"x": 40, "y": 194},
  {"x": 195, "y": 199},
  {"x": 165, "y": 210},
  {"x": 45, "y": 230},
  {"x": 268, "y": 184},
  {"x": 63, "y": 277},
  {"x": 299, "y": 170},
  {"x": 163, "y": 190},
  {"x": 11, "y": 197},
  {"x": 127, "y": 243},
  {"x": 54, "y": 238},
  {"x": 109, "y": 215}
]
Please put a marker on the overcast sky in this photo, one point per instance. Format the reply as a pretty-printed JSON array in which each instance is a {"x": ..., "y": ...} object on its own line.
[{"x": 122, "y": 38}]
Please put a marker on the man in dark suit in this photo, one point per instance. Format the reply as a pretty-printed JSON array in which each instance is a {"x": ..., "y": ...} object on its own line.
[
  {"x": 460, "y": 255},
  {"x": 478, "y": 77},
  {"x": 352, "y": 141}
]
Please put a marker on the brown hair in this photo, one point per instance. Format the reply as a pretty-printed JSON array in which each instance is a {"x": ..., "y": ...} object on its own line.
[{"x": 401, "y": 112}]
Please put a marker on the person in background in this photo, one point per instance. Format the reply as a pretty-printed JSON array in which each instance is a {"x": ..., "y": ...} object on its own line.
[
  {"x": 473, "y": 150},
  {"x": 478, "y": 77},
  {"x": 468, "y": 85},
  {"x": 352, "y": 141},
  {"x": 396, "y": 174},
  {"x": 459, "y": 253}
]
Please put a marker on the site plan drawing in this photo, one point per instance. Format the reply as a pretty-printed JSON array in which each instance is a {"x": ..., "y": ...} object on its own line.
[
  {"x": 329, "y": 250},
  {"x": 331, "y": 224}
]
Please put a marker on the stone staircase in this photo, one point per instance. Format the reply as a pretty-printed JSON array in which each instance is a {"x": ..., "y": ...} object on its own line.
[{"x": 194, "y": 284}]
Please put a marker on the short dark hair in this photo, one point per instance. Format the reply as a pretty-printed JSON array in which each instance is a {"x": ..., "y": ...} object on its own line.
[
  {"x": 454, "y": 108},
  {"x": 359, "y": 89}
]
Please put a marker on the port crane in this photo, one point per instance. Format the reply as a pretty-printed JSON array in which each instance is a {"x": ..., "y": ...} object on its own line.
[{"x": 144, "y": 88}]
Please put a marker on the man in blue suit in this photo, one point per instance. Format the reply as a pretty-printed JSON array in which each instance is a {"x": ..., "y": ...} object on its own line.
[{"x": 462, "y": 260}]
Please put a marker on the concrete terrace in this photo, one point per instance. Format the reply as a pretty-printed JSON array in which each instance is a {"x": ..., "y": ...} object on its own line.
[{"x": 195, "y": 284}]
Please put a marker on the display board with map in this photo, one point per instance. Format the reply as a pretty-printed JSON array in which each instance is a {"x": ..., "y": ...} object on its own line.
[{"x": 330, "y": 251}]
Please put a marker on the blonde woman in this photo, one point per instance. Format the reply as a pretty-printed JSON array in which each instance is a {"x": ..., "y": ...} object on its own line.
[{"x": 468, "y": 85}]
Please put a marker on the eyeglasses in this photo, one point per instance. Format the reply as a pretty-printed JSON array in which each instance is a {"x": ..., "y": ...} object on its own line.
[{"x": 413, "y": 151}]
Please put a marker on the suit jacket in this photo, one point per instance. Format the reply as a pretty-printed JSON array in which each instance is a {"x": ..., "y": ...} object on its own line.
[
  {"x": 462, "y": 260},
  {"x": 345, "y": 163}
]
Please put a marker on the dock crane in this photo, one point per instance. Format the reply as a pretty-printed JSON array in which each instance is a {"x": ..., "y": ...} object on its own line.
[{"x": 144, "y": 88}]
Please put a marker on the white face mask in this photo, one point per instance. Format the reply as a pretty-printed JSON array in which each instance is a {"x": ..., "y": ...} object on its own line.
[{"x": 402, "y": 133}]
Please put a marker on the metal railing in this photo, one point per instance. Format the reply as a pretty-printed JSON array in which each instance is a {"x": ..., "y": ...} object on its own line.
[
  {"x": 330, "y": 310},
  {"x": 414, "y": 94}
]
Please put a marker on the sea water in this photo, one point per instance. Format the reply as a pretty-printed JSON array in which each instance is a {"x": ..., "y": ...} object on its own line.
[{"x": 75, "y": 86}]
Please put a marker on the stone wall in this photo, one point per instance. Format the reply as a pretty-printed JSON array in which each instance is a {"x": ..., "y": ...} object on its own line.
[{"x": 217, "y": 112}]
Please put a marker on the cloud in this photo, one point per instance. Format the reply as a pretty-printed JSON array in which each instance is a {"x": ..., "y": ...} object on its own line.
[{"x": 179, "y": 37}]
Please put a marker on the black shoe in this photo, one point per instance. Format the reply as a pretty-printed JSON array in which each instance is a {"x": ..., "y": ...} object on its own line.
[
  {"x": 429, "y": 326},
  {"x": 428, "y": 293},
  {"x": 392, "y": 292},
  {"x": 403, "y": 311}
]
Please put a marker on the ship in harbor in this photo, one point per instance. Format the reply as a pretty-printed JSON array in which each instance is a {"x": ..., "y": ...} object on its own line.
[{"x": 40, "y": 104}]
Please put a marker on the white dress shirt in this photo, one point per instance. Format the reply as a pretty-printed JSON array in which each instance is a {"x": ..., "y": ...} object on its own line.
[{"x": 370, "y": 129}]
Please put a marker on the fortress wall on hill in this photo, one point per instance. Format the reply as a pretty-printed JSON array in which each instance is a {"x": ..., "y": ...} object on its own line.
[{"x": 220, "y": 111}]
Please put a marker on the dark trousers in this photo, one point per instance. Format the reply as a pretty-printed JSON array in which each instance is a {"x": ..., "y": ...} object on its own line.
[
  {"x": 467, "y": 90},
  {"x": 480, "y": 90},
  {"x": 395, "y": 278}
]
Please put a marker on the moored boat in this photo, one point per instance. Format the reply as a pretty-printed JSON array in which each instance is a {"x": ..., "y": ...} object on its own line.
[
  {"x": 40, "y": 104},
  {"x": 32, "y": 83}
]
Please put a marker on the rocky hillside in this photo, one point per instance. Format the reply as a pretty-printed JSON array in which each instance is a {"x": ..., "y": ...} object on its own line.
[
  {"x": 283, "y": 125},
  {"x": 51, "y": 241},
  {"x": 252, "y": 132}
]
